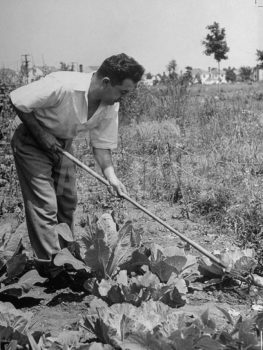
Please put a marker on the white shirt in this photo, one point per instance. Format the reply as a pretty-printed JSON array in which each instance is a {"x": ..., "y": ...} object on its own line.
[{"x": 60, "y": 104}]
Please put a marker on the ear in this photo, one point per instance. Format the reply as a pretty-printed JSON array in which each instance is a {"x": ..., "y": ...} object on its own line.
[{"x": 106, "y": 81}]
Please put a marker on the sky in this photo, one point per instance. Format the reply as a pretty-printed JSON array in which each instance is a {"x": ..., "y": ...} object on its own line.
[{"x": 154, "y": 32}]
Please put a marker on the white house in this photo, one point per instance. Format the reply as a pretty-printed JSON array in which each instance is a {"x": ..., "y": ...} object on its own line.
[
  {"x": 257, "y": 74},
  {"x": 208, "y": 77}
]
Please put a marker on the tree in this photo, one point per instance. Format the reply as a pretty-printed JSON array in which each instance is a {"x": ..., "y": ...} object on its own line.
[
  {"x": 8, "y": 76},
  {"x": 260, "y": 58},
  {"x": 215, "y": 43},
  {"x": 188, "y": 74},
  {"x": 65, "y": 67},
  {"x": 48, "y": 69},
  {"x": 172, "y": 69},
  {"x": 230, "y": 74},
  {"x": 245, "y": 73},
  {"x": 149, "y": 75}
]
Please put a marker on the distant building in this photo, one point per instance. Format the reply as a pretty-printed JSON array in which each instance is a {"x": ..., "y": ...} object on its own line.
[
  {"x": 208, "y": 77},
  {"x": 85, "y": 69},
  {"x": 257, "y": 74},
  {"x": 153, "y": 80}
]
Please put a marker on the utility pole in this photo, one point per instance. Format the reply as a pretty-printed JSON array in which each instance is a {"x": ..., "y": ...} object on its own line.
[{"x": 25, "y": 69}]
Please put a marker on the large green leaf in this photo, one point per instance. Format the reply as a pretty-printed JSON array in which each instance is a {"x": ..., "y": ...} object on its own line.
[
  {"x": 146, "y": 341},
  {"x": 110, "y": 291},
  {"x": 207, "y": 343},
  {"x": 16, "y": 265},
  {"x": 11, "y": 337},
  {"x": 97, "y": 257},
  {"x": 5, "y": 233},
  {"x": 105, "y": 286},
  {"x": 259, "y": 321},
  {"x": 141, "y": 288},
  {"x": 207, "y": 320},
  {"x": 107, "y": 226},
  {"x": 126, "y": 319},
  {"x": 96, "y": 346},
  {"x": 184, "y": 337},
  {"x": 64, "y": 257},
  {"x": 16, "y": 319},
  {"x": 68, "y": 338},
  {"x": 110, "y": 249},
  {"x": 148, "y": 280},
  {"x": 245, "y": 265},
  {"x": 165, "y": 261},
  {"x": 208, "y": 269},
  {"x": 14, "y": 325},
  {"x": 63, "y": 230},
  {"x": 239, "y": 260},
  {"x": 15, "y": 251},
  {"x": 247, "y": 333},
  {"x": 24, "y": 284},
  {"x": 177, "y": 261},
  {"x": 101, "y": 328},
  {"x": 171, "y": 297},
  {"x": 184, "y": 341},
  {"x": 122, "y": 250},
  {"x": 225, "y": 338},
  {"x": 163, "y": 270},
  {"x": 18, "y": 240},
  {"x": 227, "y": 315},
  {"x": 179, "y": 283},
  {"x": 135, "y": 262}
]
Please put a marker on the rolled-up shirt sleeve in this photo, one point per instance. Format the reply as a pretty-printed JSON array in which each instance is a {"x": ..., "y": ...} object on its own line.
[
  {"x": 105, "y": 134},
  {"x": 42, "y": 93}
]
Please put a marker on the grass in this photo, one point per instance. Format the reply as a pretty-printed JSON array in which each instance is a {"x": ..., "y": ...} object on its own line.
[{"x": 202, "y": 148}]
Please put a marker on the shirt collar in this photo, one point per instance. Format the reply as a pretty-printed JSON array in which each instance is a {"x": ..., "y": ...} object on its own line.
[
  {"x": 82, "y": 83},
  {"x": 75, "y": 80}
]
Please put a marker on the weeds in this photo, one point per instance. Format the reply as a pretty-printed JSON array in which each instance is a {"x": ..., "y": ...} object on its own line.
[
  {"x": 208, "y": 146},
  {"x": 156, "y": 103}
]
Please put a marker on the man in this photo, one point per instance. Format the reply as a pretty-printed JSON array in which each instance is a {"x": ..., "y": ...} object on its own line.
[{"x": 53, "y": 111}]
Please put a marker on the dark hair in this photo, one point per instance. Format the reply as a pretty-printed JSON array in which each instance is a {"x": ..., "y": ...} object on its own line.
[{"x": 120, "y": 67}]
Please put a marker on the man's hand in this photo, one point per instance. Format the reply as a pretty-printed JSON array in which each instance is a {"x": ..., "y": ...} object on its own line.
[
  {"x": 103, "y": 158},
  {"x": 116, "y": 185},
  {"x": 48, "y": 142}
]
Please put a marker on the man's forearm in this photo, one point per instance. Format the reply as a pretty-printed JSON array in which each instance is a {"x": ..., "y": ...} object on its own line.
[
  {"x": 104, "y": 159},
  {"x": 31, "y": 123},
  {"x": 44, "y": 139}
]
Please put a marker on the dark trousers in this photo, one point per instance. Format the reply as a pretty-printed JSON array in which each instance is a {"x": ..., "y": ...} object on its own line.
[{"x": 48, "y": 189}]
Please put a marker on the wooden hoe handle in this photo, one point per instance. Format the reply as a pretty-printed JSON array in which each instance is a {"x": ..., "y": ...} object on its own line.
[{"x": 125, "y": 196}]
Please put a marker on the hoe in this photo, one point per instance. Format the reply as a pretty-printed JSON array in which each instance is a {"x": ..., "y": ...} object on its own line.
[{"x": 123, "y": 195}]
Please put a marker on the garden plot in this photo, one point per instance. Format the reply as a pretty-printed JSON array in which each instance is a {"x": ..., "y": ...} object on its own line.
[{"x": 124, "y": 293}]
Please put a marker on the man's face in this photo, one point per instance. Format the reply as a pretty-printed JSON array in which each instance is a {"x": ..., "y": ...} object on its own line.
[{"x": 112, "y": 94}]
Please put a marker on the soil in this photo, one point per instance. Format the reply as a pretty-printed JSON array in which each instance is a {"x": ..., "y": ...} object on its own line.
[{"x": 61, "y": 305}]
